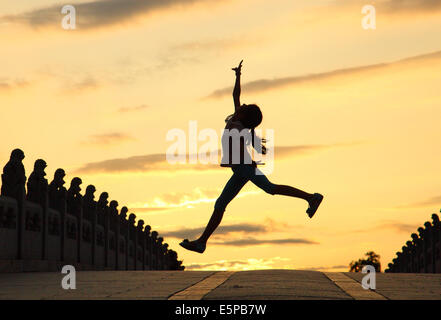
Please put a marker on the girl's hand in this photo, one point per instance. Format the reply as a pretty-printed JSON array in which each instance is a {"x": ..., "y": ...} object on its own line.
[
  {"x": 263, "y": 142},
  {"x": 238, "y": 69}
]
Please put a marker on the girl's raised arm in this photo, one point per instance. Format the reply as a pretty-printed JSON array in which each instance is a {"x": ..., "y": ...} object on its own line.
[{"x": 236, "y": 91}]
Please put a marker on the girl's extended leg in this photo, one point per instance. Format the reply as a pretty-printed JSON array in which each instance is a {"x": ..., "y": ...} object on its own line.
[
  {"x": 231, "y": 189},
  {"x": 292, "y": 192},
  {"x": 212, "y": 225}
]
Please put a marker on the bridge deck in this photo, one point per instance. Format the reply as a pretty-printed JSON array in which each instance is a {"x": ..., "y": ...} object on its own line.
[{"x": 261, "y": 284}]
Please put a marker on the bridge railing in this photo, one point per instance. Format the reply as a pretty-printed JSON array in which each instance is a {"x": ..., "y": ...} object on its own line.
[
  {"x": 46, "y": 226},
  {"x": 421, "y": 254}
]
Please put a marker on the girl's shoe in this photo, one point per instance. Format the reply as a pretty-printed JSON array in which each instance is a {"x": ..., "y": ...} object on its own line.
[
  {"x": 314, "y": 204},
  {"x": 193, "y": 246}
]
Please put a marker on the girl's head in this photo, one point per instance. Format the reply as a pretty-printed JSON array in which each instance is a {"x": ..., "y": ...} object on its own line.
[{"x": 250, "y": 115}]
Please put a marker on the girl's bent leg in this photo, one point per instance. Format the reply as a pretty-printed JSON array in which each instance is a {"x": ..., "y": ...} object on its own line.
[{"x": 260, "y": 180}]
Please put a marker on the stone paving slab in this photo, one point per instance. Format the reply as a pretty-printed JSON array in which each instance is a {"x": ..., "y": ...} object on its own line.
[
  {"x": 157, "y": 285},
  {"x": 405, "y": 286},
  {"x": 352, "y": 287},
  {"x": 278, "y": 285},
  {"x": 202, "y": 288}
]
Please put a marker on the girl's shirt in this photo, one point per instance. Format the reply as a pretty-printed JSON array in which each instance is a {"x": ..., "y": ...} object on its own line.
[{"x": 230, "y": 148}]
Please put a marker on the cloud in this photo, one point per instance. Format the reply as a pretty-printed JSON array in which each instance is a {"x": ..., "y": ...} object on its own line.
[
  {"x": 138, "y": 164},
  {"x": 219, "y": 45},
  {"x": 397, "y": 6},
  {"x": 430, "y": 202},
  {"x": 236, "y": 265},
  {"x": 276, "y": 83},
  {"x": 148, "y": 209},
  {"x": 397, "y": 226},
  {"x": 10, "y": 84},
  {"x": 394, "y": 6},
  {"x": 256, "y": 242},
  {"x": 132, "y": 109},
  {"x": 158, "y": 162},
  {"x": 325, "y": 268},
  {"x": 86, "y": 83},
  {"x": 107, "y": 139},
  {"x": 177, "y": 200},
  {"x": 95, "y": 14},
  {"x": 267, "y": 226},
  {"x": 394, "y": 225},
  {"x": 183, "y": 200}
]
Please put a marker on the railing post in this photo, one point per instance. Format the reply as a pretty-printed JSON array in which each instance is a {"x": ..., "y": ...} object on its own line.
[
  {"x": 135, "y": 243},
  {"x": 117, "y": 233},
  {"x": 62, "y": 229},
  {"x": 106, "y": 238},
  {"x": 44, "y": 229},
  {"x": 79, "y": 232},
  {"x": 140, "y": 239},
  {"x": 148, "y": 246},
  {"x": 20, "y": 224},
  {"x": 93, "y": 220},
  {"x": 127, "y": 237}
]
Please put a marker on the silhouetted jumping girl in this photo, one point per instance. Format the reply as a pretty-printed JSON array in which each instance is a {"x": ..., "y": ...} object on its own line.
[{"x": 245, "y": 117}]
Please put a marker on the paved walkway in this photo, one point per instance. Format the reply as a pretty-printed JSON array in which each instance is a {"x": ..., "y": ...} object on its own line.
[{"x": 195, "y": 285}]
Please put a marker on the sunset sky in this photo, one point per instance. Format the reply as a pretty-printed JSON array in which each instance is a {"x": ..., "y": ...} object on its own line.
[{"x": 355, "y": 113}]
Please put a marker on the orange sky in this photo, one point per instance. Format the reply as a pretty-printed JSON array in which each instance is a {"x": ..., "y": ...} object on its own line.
[{"x": 357, "y": 110}]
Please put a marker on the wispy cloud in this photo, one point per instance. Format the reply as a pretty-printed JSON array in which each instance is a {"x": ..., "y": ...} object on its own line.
[
  {"x": 158, "y": 162},
  {"x": 324, "y": 268},
  {"x": 10, "y": 84},
  {"x": 237, "y": 265},
  {"x": 388, "y": 225},
  {"x": 86, "y": 83},
  {"x": 219, "y": 45},
  {"x": 394, "y": 6},
  {"x": 182, "y": 200},
  {"x": 107, "y": 139},
  {"x": 132, "y": 109},
  {"x": 256, "y": 242},
  {"x": 140, "y": 164},
  {"x": 96, "y": 14},
  {"x": 430, "y": 202},
  {"x": 267, "y": 226},
  {"x": 397, "y": 6},
  {"x": 276, "y": 83},
  {"x": 397, "y": 226}
]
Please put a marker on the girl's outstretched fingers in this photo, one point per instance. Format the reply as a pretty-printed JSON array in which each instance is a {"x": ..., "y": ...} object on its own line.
[
  {"x": 238, "y": 68},
  {"x": 314, "y": 203}
]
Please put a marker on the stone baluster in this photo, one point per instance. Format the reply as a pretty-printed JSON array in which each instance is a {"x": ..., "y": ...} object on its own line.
[
  {"x": 123, "y": 225},
  {"x": 132, "y": 236},
  {"x": 74, "y": 207},
  {"x": 148, "y": 246},
  {"x": 140, "y": 239},
  {"x": 38, "y": 193},
  {"x": 89, "y": 214}
]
